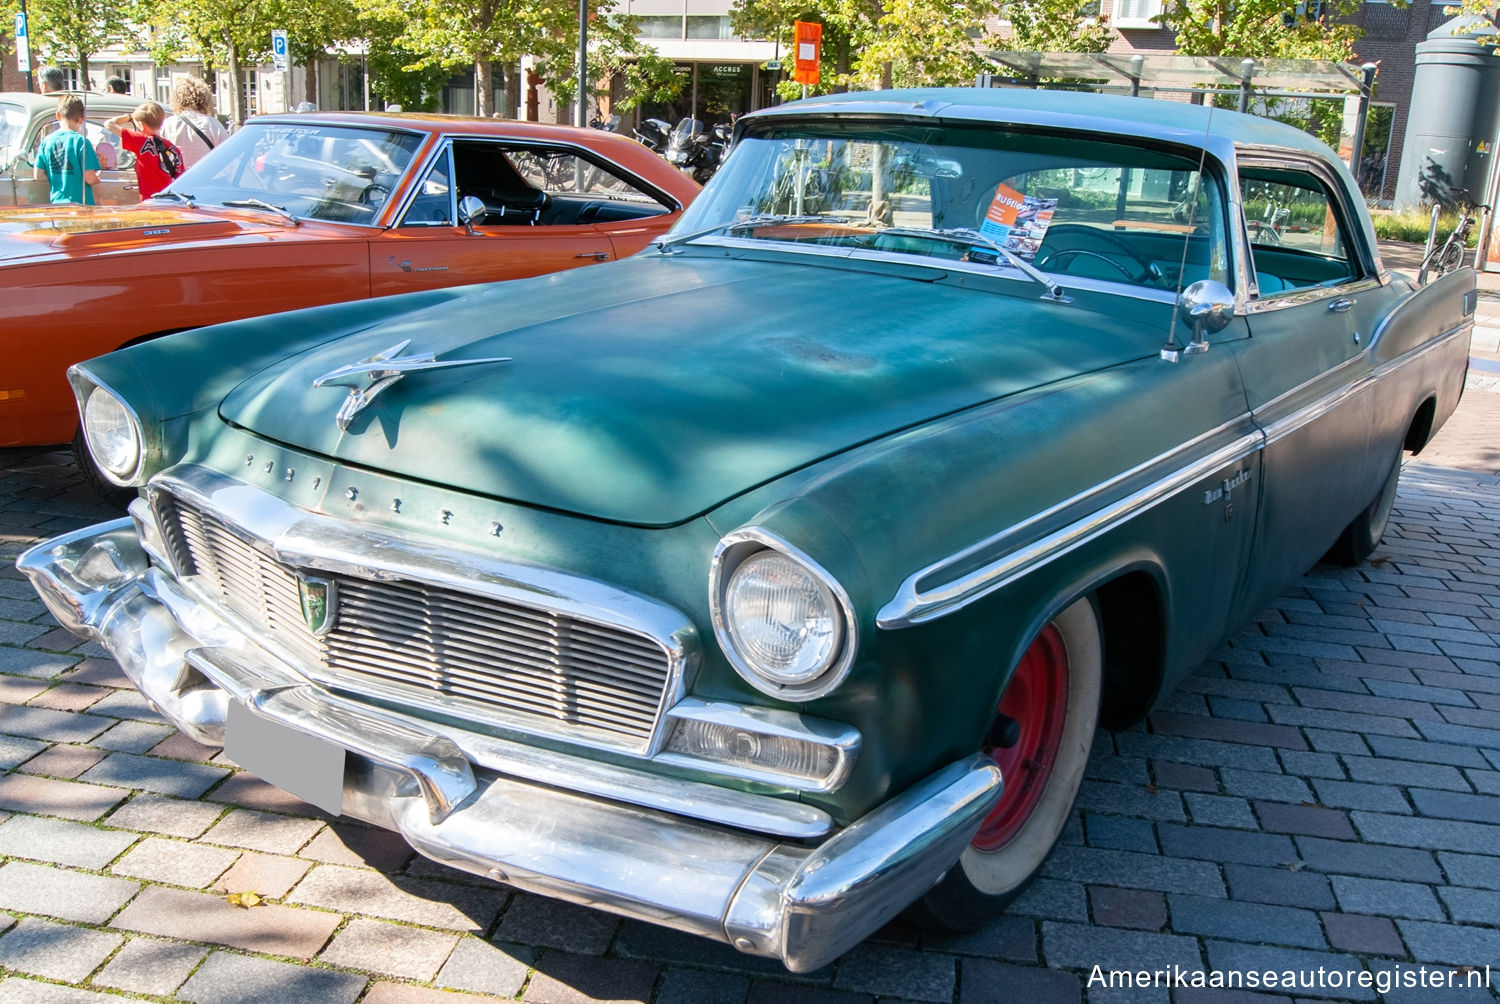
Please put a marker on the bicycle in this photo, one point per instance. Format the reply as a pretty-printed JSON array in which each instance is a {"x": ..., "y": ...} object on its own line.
[{"x": 1449, "y": 256}]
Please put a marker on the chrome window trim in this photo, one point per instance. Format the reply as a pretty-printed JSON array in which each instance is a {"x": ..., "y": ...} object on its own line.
[
  {"x": 312, "y": 541},
  {"x": 750, "y": 539},
  {"x": 1309, "y": 295},
  {"x": 445, "y": 153},
  {"x": 1016, "y": 554},
  {"x": 445, "y": 148},
  {"x": 844, "y": 740}
]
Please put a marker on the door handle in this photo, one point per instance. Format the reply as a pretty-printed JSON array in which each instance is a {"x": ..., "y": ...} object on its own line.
[
  {"x": 1339, "y": 306},
  {"x": 596, "y": 255}
]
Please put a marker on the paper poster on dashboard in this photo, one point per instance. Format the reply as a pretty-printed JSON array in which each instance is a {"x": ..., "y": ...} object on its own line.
[{"x": 1018, "y": 222}]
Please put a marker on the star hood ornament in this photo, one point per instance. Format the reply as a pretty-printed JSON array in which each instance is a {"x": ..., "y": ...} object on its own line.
[{"x": 368, "y": 377}]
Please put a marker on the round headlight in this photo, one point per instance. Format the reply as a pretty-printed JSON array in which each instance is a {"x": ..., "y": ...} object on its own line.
[
  {"x": 111, "y": 433},
  {"x": 783, "y": 621}
]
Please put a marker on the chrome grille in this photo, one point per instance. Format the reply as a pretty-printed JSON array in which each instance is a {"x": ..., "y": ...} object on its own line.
[{"x": 408, "y": 639}]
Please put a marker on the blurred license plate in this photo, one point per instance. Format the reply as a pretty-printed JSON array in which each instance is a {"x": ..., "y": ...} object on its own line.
[{"x": 308, "y": 767}]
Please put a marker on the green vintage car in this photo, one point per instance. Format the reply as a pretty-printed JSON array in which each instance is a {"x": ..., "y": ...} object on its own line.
[{"x": 773, "y": 581}]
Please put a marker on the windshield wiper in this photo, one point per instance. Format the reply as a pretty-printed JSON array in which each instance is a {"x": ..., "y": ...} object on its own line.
[
  {"x": 964, "y": 235},
  {"x": 182, "y": 197},
  {"x": 261, "y": 204},
  {"x": 665, "y": 244}
]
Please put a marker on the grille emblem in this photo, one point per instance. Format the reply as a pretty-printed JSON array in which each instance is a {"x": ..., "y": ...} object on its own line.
[
  {"x": 368, "y": 377},
  {"x": 319, "y": 600}
]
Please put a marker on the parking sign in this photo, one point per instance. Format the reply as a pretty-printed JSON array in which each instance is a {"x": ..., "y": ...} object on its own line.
[
  {"x": 23, "y": 45},
  {"x": 279, "y": 54}
]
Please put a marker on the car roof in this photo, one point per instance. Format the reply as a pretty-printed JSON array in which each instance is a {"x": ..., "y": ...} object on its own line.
[
  {"x": 1218, "y": 129},
  {"x": 32, "y": 101},
  {"x": 434, "y": 122}
]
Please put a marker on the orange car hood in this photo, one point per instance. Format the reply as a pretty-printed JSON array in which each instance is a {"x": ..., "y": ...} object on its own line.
[{"x": 34, "y": 231}]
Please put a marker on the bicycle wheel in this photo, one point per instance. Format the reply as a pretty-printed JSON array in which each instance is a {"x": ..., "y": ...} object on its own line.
[{"x": 1451, "y": 258}]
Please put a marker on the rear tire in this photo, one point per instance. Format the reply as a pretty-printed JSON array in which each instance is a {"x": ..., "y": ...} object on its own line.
[
  {"x": 1054, "y": 697},
  {"x": 1362, "y": 536},
  {"x": 111, "y": 493}
]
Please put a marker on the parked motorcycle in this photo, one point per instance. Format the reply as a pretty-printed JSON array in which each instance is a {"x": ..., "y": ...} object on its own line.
[
  {"x": 653, "y": 134},
  {"x": 696, "y": 152}
]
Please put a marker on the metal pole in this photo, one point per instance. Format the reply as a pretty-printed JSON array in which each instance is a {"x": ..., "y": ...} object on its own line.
[
  {"x": 580, "y": 114},
  {"x": 30, "y": 54},
  {"x": 1137, "y": 64},
  {"x": 1247, "y": 72},
  {"x": 1365, "y": 88}
]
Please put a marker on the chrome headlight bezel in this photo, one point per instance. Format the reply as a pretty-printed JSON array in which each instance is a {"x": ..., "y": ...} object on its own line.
[
  {"x": 85, "y": 387},
  {"x": 733, "y": 550}
]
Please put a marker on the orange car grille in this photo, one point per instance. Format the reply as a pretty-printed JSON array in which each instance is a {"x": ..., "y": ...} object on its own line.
[{"x": 537, "y": 668}]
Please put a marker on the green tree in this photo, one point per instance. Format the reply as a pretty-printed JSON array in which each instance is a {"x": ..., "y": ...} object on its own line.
[
  {"x": 72, "y": 31},
  {"x": 869, "y": 43},
  {"x": 1057, "y": 26},
  {"x": 1261, "y": 29},
  {"x": 227, "y": 34}
]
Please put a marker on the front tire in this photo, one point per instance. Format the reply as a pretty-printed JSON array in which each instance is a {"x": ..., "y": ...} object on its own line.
[
  {"x": 1054, "y": 698},
  {"x": 111, "y": 493}
]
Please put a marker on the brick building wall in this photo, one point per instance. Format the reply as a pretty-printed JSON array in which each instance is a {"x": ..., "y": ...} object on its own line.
[{"x": 11, "y": 79}]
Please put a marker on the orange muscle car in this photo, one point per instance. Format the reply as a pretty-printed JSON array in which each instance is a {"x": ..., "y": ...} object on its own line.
[{"x": 300, "y": 210}]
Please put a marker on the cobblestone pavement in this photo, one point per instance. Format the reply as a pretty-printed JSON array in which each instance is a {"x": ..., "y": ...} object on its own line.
[{"x": 1324, "y": 792}]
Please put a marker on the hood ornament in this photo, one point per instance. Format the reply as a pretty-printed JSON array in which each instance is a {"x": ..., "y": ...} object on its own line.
[{"x": 381, "y": 370}]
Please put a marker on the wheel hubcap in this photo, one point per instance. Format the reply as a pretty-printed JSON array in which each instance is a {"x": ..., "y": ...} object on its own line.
[{"x": 1037, "y": 700}]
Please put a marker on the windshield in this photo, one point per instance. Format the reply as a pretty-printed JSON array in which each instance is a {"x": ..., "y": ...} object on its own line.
[
  {"x": 13, "y": 119},
  {"x": 340, "y": 174},
  {"x": 1101, "y": 209}
]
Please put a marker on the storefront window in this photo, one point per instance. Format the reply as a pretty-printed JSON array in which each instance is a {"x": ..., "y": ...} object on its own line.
[
  {"x": 709, "y": 26},
  {"x": 659, "y": 26}
]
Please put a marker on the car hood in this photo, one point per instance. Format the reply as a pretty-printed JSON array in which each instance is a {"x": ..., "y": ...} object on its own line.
[
  {"x": 651, "y": 390},
  {"x": 33, "y": 231}
]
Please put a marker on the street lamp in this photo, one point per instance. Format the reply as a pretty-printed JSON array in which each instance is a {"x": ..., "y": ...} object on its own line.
[{"x": 580, "y": 114}]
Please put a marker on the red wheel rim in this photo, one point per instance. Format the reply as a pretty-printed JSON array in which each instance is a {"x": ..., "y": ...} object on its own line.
[{"x": 1037, "y": 698}]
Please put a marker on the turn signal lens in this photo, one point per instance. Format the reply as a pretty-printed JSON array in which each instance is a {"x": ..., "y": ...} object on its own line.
[{"x": 733, "y": 747}]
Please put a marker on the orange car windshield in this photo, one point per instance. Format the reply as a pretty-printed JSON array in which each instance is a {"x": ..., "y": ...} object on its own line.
[{"x": 333, "y": 173}]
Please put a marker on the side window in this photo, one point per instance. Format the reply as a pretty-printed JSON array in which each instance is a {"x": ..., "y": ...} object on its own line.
[
  {"x": 1297, "y": 238},
  {"x": 564, "y": 172},
  {"x": 524, "y": 185},
  {"x": 433, "y": 204}
]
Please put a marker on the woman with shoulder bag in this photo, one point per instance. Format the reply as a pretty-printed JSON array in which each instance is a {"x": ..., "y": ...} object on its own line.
[{"x": 192, "y": 125}]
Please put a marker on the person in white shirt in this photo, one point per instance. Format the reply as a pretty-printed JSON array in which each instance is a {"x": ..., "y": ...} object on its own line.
[{"x": 192, "y": 125}]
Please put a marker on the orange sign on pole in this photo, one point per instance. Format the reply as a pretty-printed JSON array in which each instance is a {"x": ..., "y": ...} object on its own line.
[{"x": 809, "y": 52}]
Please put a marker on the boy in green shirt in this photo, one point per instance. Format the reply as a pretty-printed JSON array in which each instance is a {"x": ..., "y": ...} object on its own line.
[{"x": 66, "y": 158}]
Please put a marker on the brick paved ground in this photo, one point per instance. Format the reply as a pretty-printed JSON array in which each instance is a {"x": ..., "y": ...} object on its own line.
[{"x": 1324, "y": 792}]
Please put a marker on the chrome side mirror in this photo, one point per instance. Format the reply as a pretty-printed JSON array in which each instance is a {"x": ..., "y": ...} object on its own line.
[
  {"x": 1207, "y": 306},
  {"x": 471, "y": 209}
]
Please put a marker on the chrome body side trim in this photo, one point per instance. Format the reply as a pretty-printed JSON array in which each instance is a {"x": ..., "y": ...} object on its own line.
[
  {"x": 1019, "y": 549},
  {"x": 1016, "y": 552},
  {"x": 765, "y": 895}
]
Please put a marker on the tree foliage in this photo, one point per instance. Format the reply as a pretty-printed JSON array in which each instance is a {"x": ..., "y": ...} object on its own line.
[
  {"x": 1261, "y": 29},
  {"x": 481, "y": 33},
  {"x": 223, "y": 34},
  {"x": 73, "y": 31},
  {"x": 1057, "y": 26},
  {"x": 869, "y": 43}
]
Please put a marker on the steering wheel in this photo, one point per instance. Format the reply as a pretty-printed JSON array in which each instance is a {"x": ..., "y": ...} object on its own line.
[{"x": 1072, "y": 233}]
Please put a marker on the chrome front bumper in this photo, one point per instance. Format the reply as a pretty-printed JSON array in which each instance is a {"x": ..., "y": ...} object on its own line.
[{"x": 559, "y": 825}]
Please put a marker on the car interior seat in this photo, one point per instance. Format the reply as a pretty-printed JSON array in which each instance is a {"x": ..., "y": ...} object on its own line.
[{"x": 482, "y": 169}]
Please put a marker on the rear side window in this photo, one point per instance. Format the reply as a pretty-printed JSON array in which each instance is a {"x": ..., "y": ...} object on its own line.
[{"x": 1298, "y": 237}]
